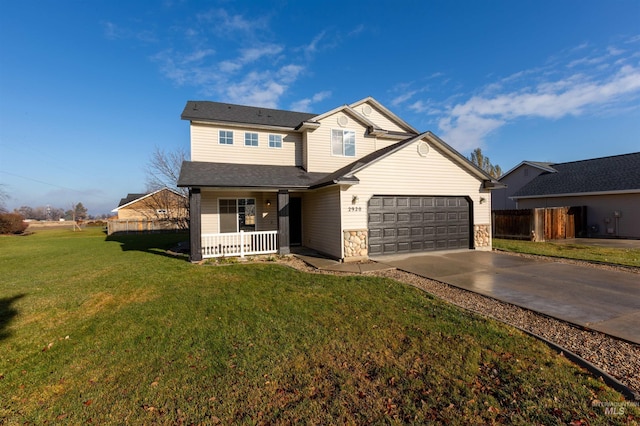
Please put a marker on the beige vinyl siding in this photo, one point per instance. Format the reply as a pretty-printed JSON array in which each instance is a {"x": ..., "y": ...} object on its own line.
[
  {"x": 205, "y": 146},
  {"x": 136, "y": 213},
  {"x": 379, "y": 119},
  {"x": 147, "y": 207},
  {"x": 321, "y": 222},
  {"x": 318, "y": 153},
  {"x": 266, "y": 216},
  {"x": 407, "y": 173},
  {"x": 600, "y": 211}
]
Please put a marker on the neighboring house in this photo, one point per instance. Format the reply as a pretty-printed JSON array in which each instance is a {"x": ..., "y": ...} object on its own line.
[
  {"x": 515, "y": 179},
  {"x": 353, "y": 182},
  {"x": 608, "y": 187},
  {"x": 161, "y": 209}
]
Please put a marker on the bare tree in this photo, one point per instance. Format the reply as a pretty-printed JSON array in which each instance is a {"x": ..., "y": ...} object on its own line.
[
  {"x": 484, "y": 163},
  {"x": 4, "y": 196},
  {"x": 163, "y": 171}
]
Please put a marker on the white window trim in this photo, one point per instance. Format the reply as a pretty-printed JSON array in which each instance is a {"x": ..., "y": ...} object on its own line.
[
  {"x": 269, "y": 141},
  {"x": 355, "y": 153},
  {"x": 220, "y": 139},
  {"x": 257, "y": 139}
]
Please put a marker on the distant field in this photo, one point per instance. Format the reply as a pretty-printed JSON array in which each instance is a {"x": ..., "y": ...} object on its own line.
[{"x": 114, "y": 331}]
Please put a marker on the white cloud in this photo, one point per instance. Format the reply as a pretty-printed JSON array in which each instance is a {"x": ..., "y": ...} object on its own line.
[
  {"x": 403, "y": 98},
  {"x": 312, "y": 47},
  {"x": 223, "y": 22},
  {"x": 263, "y": 88},
  {"x": 113, "y": 31},
  {"x": 248, "y": 56},
  {"x": 305, "y": 104},
  {"x": 467, "y": 124}
]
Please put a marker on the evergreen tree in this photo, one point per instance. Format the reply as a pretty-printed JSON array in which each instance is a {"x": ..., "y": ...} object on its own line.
[{"x": 484, "y": 163}]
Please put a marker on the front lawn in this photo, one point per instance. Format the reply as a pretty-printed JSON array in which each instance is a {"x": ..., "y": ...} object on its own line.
[
  {"x": 117, "y": 332},
  {"x": 618, "y": 256}
]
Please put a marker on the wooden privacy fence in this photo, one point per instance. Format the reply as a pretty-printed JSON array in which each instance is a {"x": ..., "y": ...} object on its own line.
[
  {"x": 128, "y": 226},
  {"x": 550, "y": 223}
]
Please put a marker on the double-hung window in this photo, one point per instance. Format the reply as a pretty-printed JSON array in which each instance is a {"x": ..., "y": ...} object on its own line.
[
  {"x": 225, "y": 137},
  {"x": 250, "y": 139},
  {"x": 343, "y": 142},
  {"x": 275, "y": 141}
]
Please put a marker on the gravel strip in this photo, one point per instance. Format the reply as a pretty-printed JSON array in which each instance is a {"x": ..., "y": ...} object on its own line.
[{"x": 618, "y": 358}]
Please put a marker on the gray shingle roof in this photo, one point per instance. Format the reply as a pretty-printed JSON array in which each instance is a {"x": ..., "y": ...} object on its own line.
[
  {"x": 129, "y": 198},
  {"x": 205, "y": 174},
  {"x": 616, "y": 173},
  {"x": 241, "y": 114}
]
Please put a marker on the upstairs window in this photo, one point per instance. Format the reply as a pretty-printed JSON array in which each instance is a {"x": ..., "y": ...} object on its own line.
[
  {"x": 343, "y": 143},
  {"x": 226, "y": 137},
  {"x": 250, "y": 139},
  {"x": 275, "y": 141}
]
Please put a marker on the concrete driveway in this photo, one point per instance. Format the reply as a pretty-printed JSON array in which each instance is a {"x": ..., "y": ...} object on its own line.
[{"x": 603, "y": 300}]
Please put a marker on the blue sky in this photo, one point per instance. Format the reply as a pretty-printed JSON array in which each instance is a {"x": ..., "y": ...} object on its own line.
[{"x": 88, "y": 89}]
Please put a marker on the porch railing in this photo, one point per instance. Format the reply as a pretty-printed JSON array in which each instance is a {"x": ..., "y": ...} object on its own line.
[{"x": 239, "y": 244}]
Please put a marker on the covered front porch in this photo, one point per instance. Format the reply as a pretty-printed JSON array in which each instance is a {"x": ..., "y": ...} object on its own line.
[{"x": 243, "y": 223}]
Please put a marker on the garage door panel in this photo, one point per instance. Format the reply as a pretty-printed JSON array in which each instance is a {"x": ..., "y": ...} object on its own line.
[
  {"x": 389, "y": 202},
  {"x": 415, "y": 217},
  {"x": 403, "y": 217},
  {"x": 399, "y": 224},
  {"x": 375, "y": 218},
  {"x": 388, "y": 232},
  {"x": 403, "y": 232}
]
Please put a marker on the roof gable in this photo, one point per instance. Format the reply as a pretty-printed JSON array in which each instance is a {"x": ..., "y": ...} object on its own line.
[
  {"x": 131, "y": 199},
  {"x": 361, "y": 105},
  {"x": 606, "y": 174},
  {"x": 542, "y": 166},
  {"x": 347, "y": 173}
]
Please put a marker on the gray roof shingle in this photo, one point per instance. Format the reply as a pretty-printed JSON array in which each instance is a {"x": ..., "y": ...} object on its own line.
[
  {"x": 616, "y": 173},
  {"x": 129, "y": 198},
  {"x": 201, "y": 173},
  {"x": 241, "y": 114}
]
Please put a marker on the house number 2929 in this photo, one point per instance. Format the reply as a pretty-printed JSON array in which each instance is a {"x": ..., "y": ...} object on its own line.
[{"x": 355, "y": 209}]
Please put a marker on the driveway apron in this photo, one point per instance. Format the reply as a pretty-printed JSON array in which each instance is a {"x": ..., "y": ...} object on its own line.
[{"x": 602, "y": 300}]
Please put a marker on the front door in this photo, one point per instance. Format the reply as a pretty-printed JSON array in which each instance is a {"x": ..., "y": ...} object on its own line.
[{"x": 295, "y": 221}]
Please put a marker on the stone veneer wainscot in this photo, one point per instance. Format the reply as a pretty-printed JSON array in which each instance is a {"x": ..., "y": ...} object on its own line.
[{"x": 355, "y": 244}]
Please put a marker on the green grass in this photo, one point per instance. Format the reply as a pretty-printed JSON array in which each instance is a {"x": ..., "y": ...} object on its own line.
[
  {"x": 116, "y": 332},
  {"x": 618, "y": 256}
]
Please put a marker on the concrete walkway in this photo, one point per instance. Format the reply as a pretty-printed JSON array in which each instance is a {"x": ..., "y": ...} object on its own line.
[
  {"x": 325, "y": 264},
  {"x": 598, "y": 299},
  {"x": 602, "y": 300}
]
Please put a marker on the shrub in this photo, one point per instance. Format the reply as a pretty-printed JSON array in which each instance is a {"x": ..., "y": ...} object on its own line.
[
  {"x": 96, "y": 223},
  {"x": 12, "y": 223}
]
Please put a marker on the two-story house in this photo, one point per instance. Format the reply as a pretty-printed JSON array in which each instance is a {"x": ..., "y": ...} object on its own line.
[{"x": 352, "y": 183}]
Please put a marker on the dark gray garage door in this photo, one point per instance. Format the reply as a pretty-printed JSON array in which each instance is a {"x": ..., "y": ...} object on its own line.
[{"x": 414, "y": 224}]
